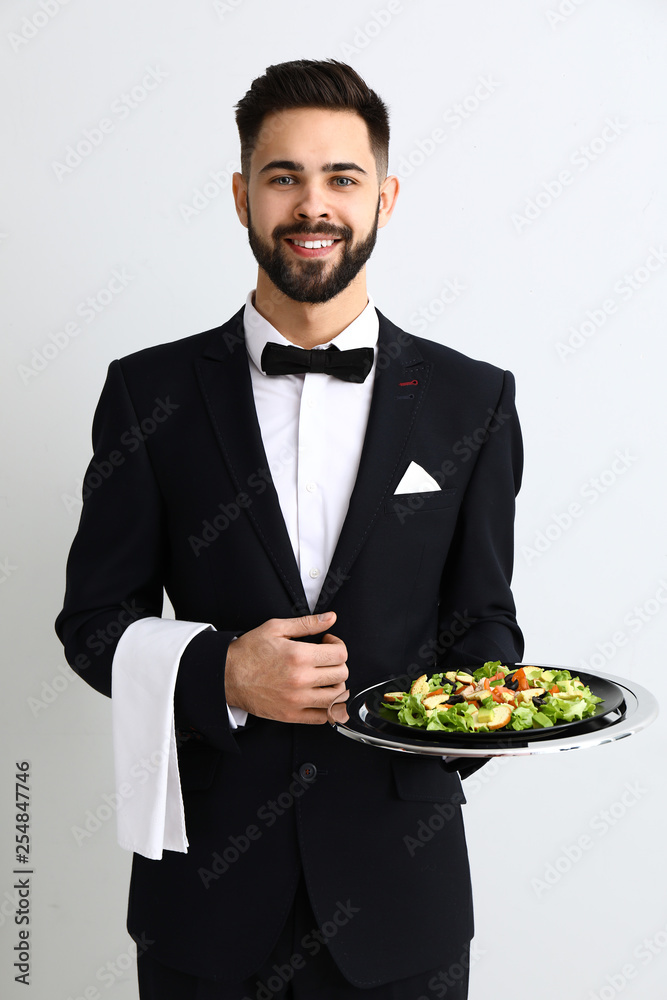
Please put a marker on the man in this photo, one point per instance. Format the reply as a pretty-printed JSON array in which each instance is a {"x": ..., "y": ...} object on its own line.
[{"x": 320, "y": 521}]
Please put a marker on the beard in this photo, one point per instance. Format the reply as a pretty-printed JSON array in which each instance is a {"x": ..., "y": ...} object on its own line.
[{"x": 311, "y": 280}]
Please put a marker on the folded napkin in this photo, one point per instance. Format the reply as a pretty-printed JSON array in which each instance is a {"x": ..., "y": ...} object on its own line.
[
  {"x": 150, "y": 816},
  {"x": 416, "y": 480}
]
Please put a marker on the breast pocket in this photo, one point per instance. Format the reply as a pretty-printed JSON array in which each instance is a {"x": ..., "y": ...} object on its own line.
[{"x": 412, "y": 503}]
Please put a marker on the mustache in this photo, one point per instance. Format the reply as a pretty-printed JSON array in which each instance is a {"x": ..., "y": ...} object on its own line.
[{"x": 305, "y": 230}]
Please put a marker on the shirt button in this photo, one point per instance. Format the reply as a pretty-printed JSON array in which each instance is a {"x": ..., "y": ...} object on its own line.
[
  {"x": 307, "y": 772},
  {"x": 314, "y": 572},
  {"x": 311, "y": 487}
]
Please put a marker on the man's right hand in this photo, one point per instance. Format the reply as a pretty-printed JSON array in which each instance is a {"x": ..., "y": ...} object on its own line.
[{"x": 271, "y": 675}]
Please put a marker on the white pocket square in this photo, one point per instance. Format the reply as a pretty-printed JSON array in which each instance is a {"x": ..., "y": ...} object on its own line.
[{"x": 416, "y": 480}]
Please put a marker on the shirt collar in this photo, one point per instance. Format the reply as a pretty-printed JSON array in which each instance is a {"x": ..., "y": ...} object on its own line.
[{"x": 362, "y": 331}]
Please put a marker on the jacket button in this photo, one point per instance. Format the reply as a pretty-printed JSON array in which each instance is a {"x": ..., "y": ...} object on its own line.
[{"x": 307, "y": 772}]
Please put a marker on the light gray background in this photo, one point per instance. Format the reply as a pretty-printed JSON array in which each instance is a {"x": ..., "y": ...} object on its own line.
[{"x": 556, "y": 71}]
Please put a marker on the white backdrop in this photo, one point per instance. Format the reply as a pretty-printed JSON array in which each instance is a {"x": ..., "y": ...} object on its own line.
[{"x": 531, "y": 231}]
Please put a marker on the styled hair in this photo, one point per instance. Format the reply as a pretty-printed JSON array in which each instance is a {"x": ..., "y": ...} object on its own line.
[{"x": 310, "y": 83}]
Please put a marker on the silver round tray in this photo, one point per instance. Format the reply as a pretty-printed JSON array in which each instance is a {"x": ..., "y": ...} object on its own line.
[{"x": 638, "y": 710}]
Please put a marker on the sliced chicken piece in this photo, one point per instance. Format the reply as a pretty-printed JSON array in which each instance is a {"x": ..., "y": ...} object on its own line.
[{"x": 530, "y": 693}]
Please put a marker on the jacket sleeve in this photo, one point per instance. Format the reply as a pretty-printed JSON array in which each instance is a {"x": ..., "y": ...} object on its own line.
[
  {"x": 477, "y": 611},
  {"x": 115, "y": 572}
]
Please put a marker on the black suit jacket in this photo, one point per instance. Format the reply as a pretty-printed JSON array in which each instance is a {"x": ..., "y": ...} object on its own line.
[{"x": 179, "y": 496}]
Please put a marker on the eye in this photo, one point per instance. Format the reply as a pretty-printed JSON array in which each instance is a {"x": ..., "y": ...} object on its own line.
[
  {"x": 347, "y": 181},
  {"x": 284, "y": 177}
]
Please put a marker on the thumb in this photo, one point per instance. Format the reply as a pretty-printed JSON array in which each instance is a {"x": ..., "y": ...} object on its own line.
[{"x": 306, "y": 625}]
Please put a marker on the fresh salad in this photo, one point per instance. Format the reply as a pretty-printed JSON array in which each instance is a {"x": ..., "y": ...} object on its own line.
[{"x": 493, "y": 697}]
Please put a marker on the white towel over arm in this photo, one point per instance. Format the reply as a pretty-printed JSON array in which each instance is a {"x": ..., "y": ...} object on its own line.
[{"x": 150, "y": 815}]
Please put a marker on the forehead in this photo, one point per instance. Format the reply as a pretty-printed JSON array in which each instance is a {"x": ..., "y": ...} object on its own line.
[{"x": 313, "y": 136}]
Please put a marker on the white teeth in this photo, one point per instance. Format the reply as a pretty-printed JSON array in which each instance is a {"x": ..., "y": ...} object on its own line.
[{"x": 314, "y": 244}]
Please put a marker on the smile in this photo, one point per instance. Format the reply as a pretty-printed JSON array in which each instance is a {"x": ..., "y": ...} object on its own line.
[
  {"x": 313, "y": 244},
  {"x": 312, "y": 248}
]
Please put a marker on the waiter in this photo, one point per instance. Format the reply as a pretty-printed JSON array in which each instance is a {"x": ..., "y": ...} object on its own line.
[{"x": 328, "y": 502}]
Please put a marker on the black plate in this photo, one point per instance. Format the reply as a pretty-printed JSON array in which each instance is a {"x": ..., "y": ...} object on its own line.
[{"x": 381, "y": 719}]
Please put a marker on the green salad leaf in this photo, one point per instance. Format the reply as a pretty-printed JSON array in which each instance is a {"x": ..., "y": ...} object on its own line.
[{"x": 545, "y": 698}]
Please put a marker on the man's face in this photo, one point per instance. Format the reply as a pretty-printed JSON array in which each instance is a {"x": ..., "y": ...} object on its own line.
[{"x": 313, "y": 177}]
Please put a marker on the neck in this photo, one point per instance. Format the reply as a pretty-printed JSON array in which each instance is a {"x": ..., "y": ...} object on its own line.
[{"x": 304, "y": 323}]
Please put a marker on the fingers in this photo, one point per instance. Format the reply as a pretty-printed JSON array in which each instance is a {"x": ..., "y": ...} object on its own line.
[
  {"x": 301, "y": 700},
  {"x": 332, "y": 651},
  {"x": 328, "y": 665},
  {"x": 323, "y": 697},
  {"x": 312, "y": 717},
  {"x": 294, "y": 628},
  {"x": 339, "y": 712},
  {"x": 318, "y": 716},
  {"x": 329, "y": 638},
  {"x": 309, "y": 708},
  {"x": 329, "y": 652},
  {"x": 275, "y": 677},
  {"x": 328, "y": 677}
]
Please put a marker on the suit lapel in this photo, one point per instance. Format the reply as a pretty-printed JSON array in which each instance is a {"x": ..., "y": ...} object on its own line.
[
  {"x": 224, "y": 377},
  {"x": 393, "y": 411}
]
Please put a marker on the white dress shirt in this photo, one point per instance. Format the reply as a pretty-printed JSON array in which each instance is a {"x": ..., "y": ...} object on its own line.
[{"x": 313, "y": 427}]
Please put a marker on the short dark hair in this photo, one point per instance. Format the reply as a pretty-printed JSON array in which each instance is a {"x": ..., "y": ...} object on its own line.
[{"x": 310, "y": 83}]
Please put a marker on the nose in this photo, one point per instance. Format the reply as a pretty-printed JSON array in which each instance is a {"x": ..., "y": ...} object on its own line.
[{"x": 312, "y": 203}]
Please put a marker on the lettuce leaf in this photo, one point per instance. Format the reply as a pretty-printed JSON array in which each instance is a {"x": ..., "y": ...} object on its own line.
[
  {"x": 488, "y": 670},
  {"x": 458, "y": 718}
]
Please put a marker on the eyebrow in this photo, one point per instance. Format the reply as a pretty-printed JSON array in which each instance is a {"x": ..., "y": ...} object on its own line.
[{"x": 327, "y": 168}]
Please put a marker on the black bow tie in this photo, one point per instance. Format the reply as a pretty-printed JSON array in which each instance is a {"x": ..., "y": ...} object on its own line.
[{"x": 350, "y": 366}]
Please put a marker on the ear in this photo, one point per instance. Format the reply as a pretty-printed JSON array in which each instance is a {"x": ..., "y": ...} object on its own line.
[
  {"x": 388, "y": 194},
  {"x": 240, "y": 191}
]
